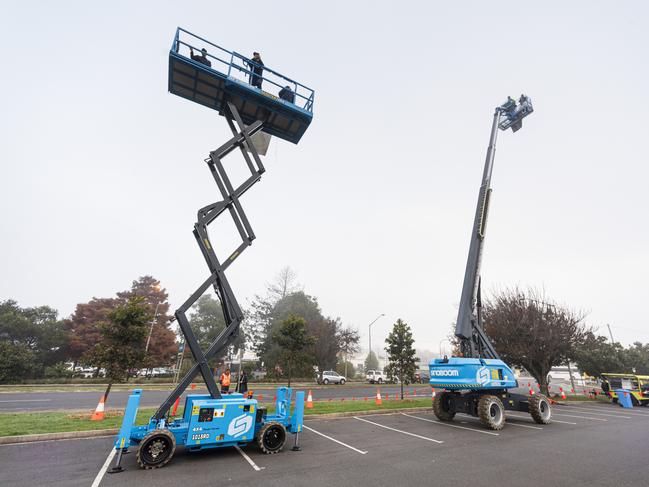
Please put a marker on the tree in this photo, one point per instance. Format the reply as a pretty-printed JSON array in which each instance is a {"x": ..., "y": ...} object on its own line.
[
  {"x": 284, "y": 284},
  {"x": 371, "y": 362},
  {"x": 402, "y": 359},
  {"x": 529, "y": 330},
  {"x": 161, "y": 338},
  {"x": 595, "y": 355},
  {"x": 292, "y": 338},
  {"x": 207, "y": 322},
  {"x": 346, "y": 368},
  {"x": 123, "y": 337},
  {"x": 83, "y": 327},
  {"x": 31, "y": 339},
  {"x": 348, "y": 339}
]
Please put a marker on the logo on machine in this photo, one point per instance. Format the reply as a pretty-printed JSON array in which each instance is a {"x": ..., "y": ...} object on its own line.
[
  {"x": 239, "y": 425},
  {"x": 444, "y": 373},
  {"x": 482, "y": 376}
]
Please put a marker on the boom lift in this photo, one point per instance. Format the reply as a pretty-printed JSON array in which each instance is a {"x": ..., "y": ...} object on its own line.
[
  {"x": 478, "y": 382},
  {"x": 213, "y": 420}
]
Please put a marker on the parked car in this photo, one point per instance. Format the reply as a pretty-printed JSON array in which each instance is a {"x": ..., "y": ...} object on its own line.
[
  {"x": 376, "y": 377},
  {"x": 332, "y": 377}
]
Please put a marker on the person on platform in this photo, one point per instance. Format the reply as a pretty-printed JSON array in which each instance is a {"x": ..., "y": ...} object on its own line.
[
  {"x": 256, "y": 65},
  {"x": 287, "y": 94},
  {"x": 225, "y": 382},
  {"x": 201, "y": 58}
]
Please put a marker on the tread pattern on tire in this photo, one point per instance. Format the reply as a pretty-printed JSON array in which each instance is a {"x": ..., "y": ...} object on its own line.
[
  {"x": 484, "y": 406},
  {"x": 535, "y": 409},
  {"x": 262, "y": 432},
  {"x": 438, "y": 407},
  {"x": 143, "y": 443}
]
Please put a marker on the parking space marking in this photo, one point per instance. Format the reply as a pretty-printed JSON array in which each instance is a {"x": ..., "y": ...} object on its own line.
[
  {"x": 26, "y": 400},
  {"x": 575, "y": 416},
  {"x": 398, "y": 431},
  {"x": 335, "y": 440},
  {"x": 102, "y": 472},
  {"x": 524, "y": 426},
  {"x": 451, "y": 425},
  {"x": 248, "y": 459},
  {"x": 553, "y": 420},
  {"x": 608, "y": 411},
  {"x": 589, "y": 411}
]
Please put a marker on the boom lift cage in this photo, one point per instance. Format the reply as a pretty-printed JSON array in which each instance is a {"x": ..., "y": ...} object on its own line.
[
  {"x": 239, "y": 103},
  {"x": 227, "y": 79}
]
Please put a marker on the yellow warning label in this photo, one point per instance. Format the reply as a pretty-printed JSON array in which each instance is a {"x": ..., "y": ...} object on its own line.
[
  {"x": 494, "y": 374},
  {"x": 195, "y": 410},
  {"x": 252, "y": 409},
  {"x": 219, "y": 413}
]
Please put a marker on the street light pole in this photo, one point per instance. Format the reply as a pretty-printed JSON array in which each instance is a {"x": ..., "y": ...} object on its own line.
[
  {"x": 369, "y": 328},
  {"x": 148, "y": 340}
]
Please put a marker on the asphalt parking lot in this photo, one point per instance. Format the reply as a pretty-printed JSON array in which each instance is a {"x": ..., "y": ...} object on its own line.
[{"x": 587, "y": 444}]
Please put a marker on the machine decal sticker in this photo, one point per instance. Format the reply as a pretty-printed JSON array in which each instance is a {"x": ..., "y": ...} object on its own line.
[
  {"x": 482, "y": 375},
  {"x": 239, "y": 425}
]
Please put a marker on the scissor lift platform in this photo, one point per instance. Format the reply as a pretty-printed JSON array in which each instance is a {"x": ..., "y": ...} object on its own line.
[{"x": 227, "y": 80}]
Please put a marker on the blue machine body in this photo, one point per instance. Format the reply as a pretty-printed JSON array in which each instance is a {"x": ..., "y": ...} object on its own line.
[
  {"x": 458, "y": 373},
  {"x": 214, "y": 423}
]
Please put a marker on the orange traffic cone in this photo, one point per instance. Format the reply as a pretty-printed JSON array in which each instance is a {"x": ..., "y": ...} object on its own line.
[
  {"x": 434, "y": 393},
  {"x": 563, "y": 394},
  {"x": 531, "y": 391},
  {"x": 378, "y": 400},
  {"x": 173, "y": 411},
  {"x": 98, "y": 415},
  {"x": 309, "y": 400}
]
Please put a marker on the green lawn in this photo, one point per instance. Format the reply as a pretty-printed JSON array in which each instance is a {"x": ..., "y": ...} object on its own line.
[{"x": 12, "y": 424}]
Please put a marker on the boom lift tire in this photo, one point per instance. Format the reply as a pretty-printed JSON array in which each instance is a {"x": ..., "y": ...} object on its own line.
[
  {"x": 156, "y": 449},
  {"x": 442, "y": 407},
  {"x": 491, "y": 412},
  {"x": 539, "y": 407},
  {"x": 271, "y": 438}
]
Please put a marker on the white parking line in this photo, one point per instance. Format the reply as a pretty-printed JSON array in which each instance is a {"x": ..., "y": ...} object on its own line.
[
  {"x": 335, "y": 440},
  {"x": 102, "y": 472},
  {"x": 590, "y": 411},
  {"x": 452, "y": 425},
  {"x": 398, "y": 431},
  {"x": 608, "y": 411},
  {"x": 575, "y": 416},
  {"x": 248, "y": 459},
  {"x": 553, "y": 420},
  {"x": 26, "y": 400}
]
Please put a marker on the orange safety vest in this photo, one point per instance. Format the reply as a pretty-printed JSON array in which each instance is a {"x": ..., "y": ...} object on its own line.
[{"x": 225, "y": 379}]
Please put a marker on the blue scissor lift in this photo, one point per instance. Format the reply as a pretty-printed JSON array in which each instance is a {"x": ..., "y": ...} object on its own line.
[{"x": 218, "y": 80}]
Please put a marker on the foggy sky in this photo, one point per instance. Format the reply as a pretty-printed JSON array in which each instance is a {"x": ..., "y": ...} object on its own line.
[{"x": 102, "y": 170}]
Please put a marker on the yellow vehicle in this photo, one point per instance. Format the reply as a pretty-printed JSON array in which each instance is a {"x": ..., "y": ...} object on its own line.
[{"x": 637, "y": 384}]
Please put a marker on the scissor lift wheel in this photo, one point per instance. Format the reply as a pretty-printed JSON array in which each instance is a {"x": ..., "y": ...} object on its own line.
[
  {"x": 156, "y": 449},
  {"x": 540, "y": 410},
  {"x": 272, "y": 437}
]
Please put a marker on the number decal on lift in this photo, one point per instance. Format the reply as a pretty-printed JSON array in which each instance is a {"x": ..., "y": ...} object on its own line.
[{"x": 202, "y": 436}]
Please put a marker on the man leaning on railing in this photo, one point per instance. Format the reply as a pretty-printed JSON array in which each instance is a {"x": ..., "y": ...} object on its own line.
[{"x": 256, "y": 66}]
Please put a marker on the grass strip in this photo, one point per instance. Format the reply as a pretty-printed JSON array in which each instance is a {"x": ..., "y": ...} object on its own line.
[{"x": 12, "y": 424}]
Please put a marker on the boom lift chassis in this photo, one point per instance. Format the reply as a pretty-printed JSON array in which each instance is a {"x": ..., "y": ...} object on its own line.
[
  {"x": 478, "y": 382},
  {"x": 213, "y": 420}
]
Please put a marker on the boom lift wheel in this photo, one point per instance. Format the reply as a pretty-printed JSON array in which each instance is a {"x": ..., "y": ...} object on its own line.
[
  {"x": 272, "y": 437},
  {"x": 442, "y": 407},
  {"x": 156, "y": 449},
  {"x": 491, "y": 412},
  {"x": 539, "y": 407}
]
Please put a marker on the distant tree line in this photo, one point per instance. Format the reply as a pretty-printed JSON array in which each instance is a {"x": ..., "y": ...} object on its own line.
[{"x": 35, "y": 343}]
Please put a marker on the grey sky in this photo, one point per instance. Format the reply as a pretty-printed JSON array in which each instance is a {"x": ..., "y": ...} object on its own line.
[{"x": 102, "y": 170}]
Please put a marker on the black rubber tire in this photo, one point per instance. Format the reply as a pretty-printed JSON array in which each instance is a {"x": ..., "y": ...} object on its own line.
[
  {"x": 634, "y": 402},
  {"x": 325, "y": 382},
  {"x": 540, "y": 409},
  {"x": 441, "y": 407},
  {"x": 271, "y": 438},
  {"x": 491, "y": 412},
  {"x": 156, "y": 449},
  {"x": 380, "y": 381},
  {"x": 342, "y": 382},
  {"x": 614, "y": 400}
]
